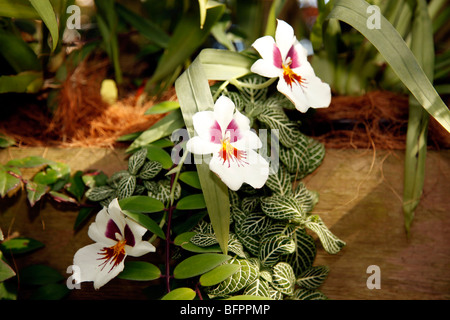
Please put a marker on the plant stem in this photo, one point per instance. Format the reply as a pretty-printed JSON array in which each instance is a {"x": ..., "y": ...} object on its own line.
[{"x": 169, "y": 222}]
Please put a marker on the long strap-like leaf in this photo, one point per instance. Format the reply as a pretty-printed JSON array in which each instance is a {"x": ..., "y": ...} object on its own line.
[{"x": 194, "y": 95}]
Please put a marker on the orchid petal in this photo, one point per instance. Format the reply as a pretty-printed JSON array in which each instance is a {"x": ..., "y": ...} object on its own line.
[
  {"x": 206, "y": 126},
  {"x": 141, "y": 248},
  {"x": 234, "y": 175},
  {"x": 284, "y": 37},
  {"x": 86, "y": 259},
  {"x": 223, "y": 112},
  {"x": 265, "y": 69}
]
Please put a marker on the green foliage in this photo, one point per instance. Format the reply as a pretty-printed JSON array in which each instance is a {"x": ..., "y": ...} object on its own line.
[{"x": 52, "y": 180}]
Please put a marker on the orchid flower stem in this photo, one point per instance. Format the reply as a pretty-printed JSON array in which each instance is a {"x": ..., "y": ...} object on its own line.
[
  {"x": 221, "y": 88},
  {"x": 169, "y": 220},
  {"x": 263, "y": 85}
]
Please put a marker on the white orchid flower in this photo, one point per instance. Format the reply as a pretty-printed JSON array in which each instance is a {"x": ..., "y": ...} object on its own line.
[
  {"x": 116, "y": 237},
  {"x": 286, "y": 58},
  {"x": 225, "y": 133}
]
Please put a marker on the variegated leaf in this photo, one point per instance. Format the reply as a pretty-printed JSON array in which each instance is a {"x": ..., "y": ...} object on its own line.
[
  {"x": 204, "y": 239},
  {"x": 296, "y": 157},
  {"x": 280, "y": 182},
  {"x": 235, "y": 246},
  {"x": 250, "y": 204},
  {"x": 305, "y": 294},
  {"x": 254, "y": 223},
  {"x": 282, "y": 208},
  {"x": 116, "y": 177},
  {"x": 305, "y": 251},
  {"x": 248, "y": 273},
  {"x": 237, "y": 214},
  {"x": 274, "y": 117},
  {"x": 126, "y": 187},
  {"x": 316, "y": 154},
  {"x": 150, "y": 169},
  {"x": 305, "y": 198},
  {"x": 100, "y": 193},
  {"x": 283, "y": 278},
  {"x": 272, "y": 248},
  {"x": 330, "y": 242},
  {"x": 136, "y": 160},
  {"x": 250, "y": 243},
  {"x": 313, "y": 277},
  {"x": 259, "y": 288},
  {"x": 275, "y": 294}
]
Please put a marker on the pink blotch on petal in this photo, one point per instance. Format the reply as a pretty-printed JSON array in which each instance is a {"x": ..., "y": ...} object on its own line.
[{"x": 277, "y": 60}]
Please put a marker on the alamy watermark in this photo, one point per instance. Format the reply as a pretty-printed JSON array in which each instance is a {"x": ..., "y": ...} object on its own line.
[
  {"x": 373, "y": 281},
  {"x": 374, "y": 20}
]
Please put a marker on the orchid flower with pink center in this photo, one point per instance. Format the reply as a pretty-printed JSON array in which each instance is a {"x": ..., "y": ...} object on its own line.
[
  {"x": 286, "y": 58},
  {"x": 116, "y": 237},
  {"x": 225, "y": 133}
]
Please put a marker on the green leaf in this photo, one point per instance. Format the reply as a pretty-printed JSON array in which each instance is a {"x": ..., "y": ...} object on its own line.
[
  {"x": 190, "y": 178},
  {"x": 6, "y": 271},
  {"x": 273, "y": 247},
  {"x": 198, "y": 264},
  {"x": 194, "y": 95},
  {"x": 305, "y": 294},
  {"x": 254, "y": 223},
  {"x": 313, "y": 277},
  {"x": 20, "y": 245},
  {"x": 52, "y": 291},
  {"x": 18, "y": 53},
  {"x": 145, "y": 27},
  {"x": 218, "y": 274},
  {"x": 296, "y": 157},
  {"x": 223, "y": 65},
  {"x": 247, "y": 297},
  {"x": 422, "y": 45},
  {"x": 45, "y": 10},
  {"x": 162, "y": 128},
  {"x": 76, "y": 185},
  {"x": 35, "y": 191},
  {"x": 39, "y": 274},
  {"x": 30, "y": 162},
  {"x": 258, "y": 288},
  {"x": 163, "y": 107},
  {"x": 180, "y": 294},
  {"x": 160, "y": 155},
  {"x": 247, "y": 273},
  {"x": 137, "y": 160},
  {"x": 6, "y": 141},
  {"x": 330, "y": 242},
  {"x": 282, "y": 208},
  {"x": 280, "y": 181},
  {"x": 143, "y": 204},
  {"x": 396, "y": 52},
  {"x": 18, "y": 9},
  {"x": 187, "y": 35},
  {"x": 146, "y": 222},
  {"x": 183, "y": 240},
  {"x": 100, "y": 193},
  {"x": 8, "y": 182},
  {"x": 126, "y": 187},
  {"x": 24, "y": 82},
  {"x": 275, "y": 118},
  {"x": 139, "y": 271},
  {"x": 283, "y": 278},
  {"x": 192, "y": 202},
  {"x": 305, "y": 251}
]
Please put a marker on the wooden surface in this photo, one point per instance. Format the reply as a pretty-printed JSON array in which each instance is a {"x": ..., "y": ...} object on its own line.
[{"x": 360, "y": 201}]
